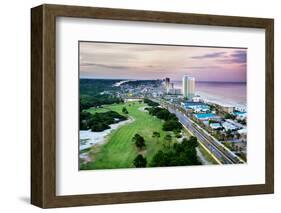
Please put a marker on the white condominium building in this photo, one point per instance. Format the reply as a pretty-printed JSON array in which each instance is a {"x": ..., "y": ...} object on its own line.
[{"x": 188, "y": 86}]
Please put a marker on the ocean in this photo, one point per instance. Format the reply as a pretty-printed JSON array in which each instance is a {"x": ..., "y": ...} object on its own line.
[{"x": 221, "y": 92}]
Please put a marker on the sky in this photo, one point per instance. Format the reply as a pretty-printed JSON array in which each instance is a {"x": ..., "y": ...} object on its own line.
[{"x": 143, "y": 61}]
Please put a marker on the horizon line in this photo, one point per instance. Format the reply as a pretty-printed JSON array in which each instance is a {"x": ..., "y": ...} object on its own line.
[{"x": 128, "y": 79}]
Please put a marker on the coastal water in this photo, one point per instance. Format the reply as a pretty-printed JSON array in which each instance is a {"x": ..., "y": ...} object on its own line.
[{"x": 221, "y": 92}]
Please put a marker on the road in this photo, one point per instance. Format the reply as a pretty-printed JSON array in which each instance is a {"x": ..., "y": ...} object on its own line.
[
  {"x": 224, "y": 156},
  {"x": 220, "y": 152}
]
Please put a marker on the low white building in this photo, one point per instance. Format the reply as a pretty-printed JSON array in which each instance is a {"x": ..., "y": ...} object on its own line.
[
  {"x": 243, "y": 133},
  {"x": 173, "y": 91},
  {"x": 228, "y": 126},
  {"x": 227, "y": 108},
  {"x": 241, "y": 115},
  {"x": 241, "y": 108},
  {"x": 196, "y": 99},
  {"x": 215, "y": 125}
]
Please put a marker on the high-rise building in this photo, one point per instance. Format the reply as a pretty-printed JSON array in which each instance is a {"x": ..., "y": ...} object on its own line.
[
  {"x": 167, "y": 82},
  {"x": 188, "y": 86},
  {"x": 170, "y": 88}
]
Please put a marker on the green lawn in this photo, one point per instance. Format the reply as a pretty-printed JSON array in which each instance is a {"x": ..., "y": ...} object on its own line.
[{"x": 120, "y": 151}]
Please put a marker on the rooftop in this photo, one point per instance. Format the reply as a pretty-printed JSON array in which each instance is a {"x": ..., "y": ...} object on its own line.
[
  {"x": 229, "y": 126},
  {"x": 240, "y": 113},
  {"x": 215, "y": 125},
  {"x": 205, "y": 116},
  {"x": 193, "y": 105}
]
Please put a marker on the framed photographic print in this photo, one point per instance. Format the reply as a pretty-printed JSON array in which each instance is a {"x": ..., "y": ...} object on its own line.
[{"x": 136, "y": 106}]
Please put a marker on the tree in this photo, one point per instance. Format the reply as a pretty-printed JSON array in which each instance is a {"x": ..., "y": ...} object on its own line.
[
  {"x": 178, "y": 135},
  {"x": 124, "y": 110},
  {"x": 140, "y": 144},
  {"x": 192, "y": 142},
  {"x": 150, "y": 103},
  {"x": 171, "y": 125},
  {"x": 156, "y": 135},
  {"x": 99, "y": 127},
  {"x": 229, "y": 134},
  {"x": 180, "y": 154},
  {"x": 162, "y": 113},
  {"x": 99, "y": 121},
  {"x": 160, "y": 159},
  {"x": 229, "y": 116},
  {"x": 139, "y": 141},
  {"x": 238, "y": 136},
  {"x": 140, "y": 161},
  {"x": 212, "y": 121},
  {"x": 232, "y": 146},
  {"x": 95, "y": 93},
  {"x": 212, "y": 107},
  {"x": 228, "y": 131},
  {"x": 136, "y": 137},
  {"x": 168, "y": 139}
]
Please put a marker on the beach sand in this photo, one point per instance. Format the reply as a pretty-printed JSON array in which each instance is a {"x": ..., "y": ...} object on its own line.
[{"x": 89, "y": 138}]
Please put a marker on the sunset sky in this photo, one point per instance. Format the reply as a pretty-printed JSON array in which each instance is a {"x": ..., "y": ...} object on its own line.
[{"x": 134, "y": 61}]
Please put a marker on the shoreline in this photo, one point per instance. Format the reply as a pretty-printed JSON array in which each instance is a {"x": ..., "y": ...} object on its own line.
[
  {"x": 211, "y": 95},
  {"x": 214, "y": 100}
]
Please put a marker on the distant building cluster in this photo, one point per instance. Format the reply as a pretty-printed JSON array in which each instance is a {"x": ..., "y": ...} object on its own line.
[
  {"x": 170, "y": 89},
  {"x": 212, "y": 116},
  {"x": 226, "y": 122},
  {"x": 140, "y": 89},
  {"x": 187, "y": 90}
]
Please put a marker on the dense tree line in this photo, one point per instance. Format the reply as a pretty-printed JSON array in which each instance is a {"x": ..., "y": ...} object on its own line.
[
  {"x": 99, "y": 121},
  {"x": 172, "y": 125},
  {"x": 96, "y": 86},
  {"x": 161, "y": 113},
  {"x": 150, "y": 102},
  {"x": 87, "y": 101},
  {"x": 97, "y": 92},
  {"x": 154, "y": 83},
  {"x": 180, "y": 154},
  {"x": 171, "y": 120}
]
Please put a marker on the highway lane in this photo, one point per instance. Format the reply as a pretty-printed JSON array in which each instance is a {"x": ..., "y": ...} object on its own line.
[
  {"x": 222, "y": 154},
  {"x": 208, "y": 144}
]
